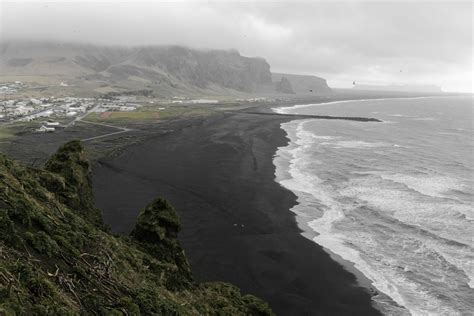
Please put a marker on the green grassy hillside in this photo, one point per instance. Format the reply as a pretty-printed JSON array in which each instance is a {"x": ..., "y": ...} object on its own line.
[{"x": 57, "y": 258}]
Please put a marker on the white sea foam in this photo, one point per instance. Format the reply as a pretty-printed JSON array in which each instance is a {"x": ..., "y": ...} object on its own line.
[
  {"x": 443, "y": 219},
  {"x": 428, "y": 185},
  {"x": 323, "y": 137},
  {"x": 300, "y": 182},
  {"x": 290, "y": 109},
  {"x": 424, "y": 119},
  {"x": 357, "y": 144},
  {"x": 286, "y": 109},
  {"x": 397, "y": 115}
]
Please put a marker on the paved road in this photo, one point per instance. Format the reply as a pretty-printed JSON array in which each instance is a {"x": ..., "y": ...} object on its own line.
[
  {"x": 121, "y": 130},
  {"x": 105, "y": 135},
  {"x": 80, "y": 118}
]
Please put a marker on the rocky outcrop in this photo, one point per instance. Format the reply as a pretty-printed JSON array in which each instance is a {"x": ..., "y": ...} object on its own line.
[
  {"x": 304, "y": 84},
  {"x": 284, "y": 86},
  {"x": 57, "y": 258},
  {"x": 157, "y": 230},
  {"x": 70, "y": 180}
]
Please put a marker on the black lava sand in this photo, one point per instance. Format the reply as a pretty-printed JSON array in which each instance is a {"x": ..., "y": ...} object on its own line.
[{"x": 237, "y": 227}]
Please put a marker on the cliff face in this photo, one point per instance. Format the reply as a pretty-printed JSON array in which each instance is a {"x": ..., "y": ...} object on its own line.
[
  {"x": 226, "y": 69},
  {"x": 303, "y": 84},
  {"x": 57, "y": 258}
]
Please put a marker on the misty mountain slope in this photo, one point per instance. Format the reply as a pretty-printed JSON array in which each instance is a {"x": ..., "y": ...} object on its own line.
[
  {"x": 42, "y": 59},
  {"x": 204, "y": 67},
  {"x": 166, "y": 69}
]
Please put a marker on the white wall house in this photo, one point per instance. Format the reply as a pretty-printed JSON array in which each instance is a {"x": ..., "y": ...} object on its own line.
[{"x": 44, "y": 129}]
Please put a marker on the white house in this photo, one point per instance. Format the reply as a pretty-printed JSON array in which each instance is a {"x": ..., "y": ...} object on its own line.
[
  {"x": 44, "y": 129},
  {"x": 127, "y": 108},
  {"x": 35, "y": 101},
  {"x": 52, "y": 124}
]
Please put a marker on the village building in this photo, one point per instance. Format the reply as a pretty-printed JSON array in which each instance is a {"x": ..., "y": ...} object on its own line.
[
  {"x": 45, "y": 129},
  {"x": 52, "y": 124}
]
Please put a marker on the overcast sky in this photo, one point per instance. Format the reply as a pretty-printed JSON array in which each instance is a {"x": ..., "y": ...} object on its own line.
[{"x": 369, "y": 42}]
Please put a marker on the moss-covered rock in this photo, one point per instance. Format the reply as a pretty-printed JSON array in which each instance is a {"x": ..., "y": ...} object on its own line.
[
  {"x": 73, "y": 187},
  {"x": 56, "y": 259},
  {"x": 156, "y": 231},
  {"x": 158, "y": 221}
]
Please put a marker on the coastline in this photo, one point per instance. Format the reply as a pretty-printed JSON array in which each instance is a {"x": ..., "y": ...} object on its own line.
[
  {"x": 393, "y": 302},
  {"x": 381, "y": 300},
  {"x": 218, "y": 172}
]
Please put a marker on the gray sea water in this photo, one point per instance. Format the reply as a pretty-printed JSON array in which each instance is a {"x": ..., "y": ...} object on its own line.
[{"x": 394, "y": 198}]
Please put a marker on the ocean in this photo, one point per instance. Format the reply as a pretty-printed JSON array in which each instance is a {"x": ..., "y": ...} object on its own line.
[{"x": 394, "y": 198}]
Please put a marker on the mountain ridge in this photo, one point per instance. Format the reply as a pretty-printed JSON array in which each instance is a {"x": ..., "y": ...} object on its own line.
[{"x": 166, "y": 69}]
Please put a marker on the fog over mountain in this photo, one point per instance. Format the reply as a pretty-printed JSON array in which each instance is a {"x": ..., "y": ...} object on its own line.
[
  {"x": 166, "y": 70},
  {"x": 371, "y": 43}
]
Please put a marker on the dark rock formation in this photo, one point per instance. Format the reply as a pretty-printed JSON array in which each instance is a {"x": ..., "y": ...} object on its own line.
[
  {"x": 303, "y": 84},
  {"x": 157, "y": 230},
  {"x": 284, "y": 86},
  {"x": 73, "y": 187}
]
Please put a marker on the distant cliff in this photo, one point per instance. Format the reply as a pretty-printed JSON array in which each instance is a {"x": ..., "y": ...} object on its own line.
[
  {"x": 202, "y": 68},
  {"x": 303, "y": 84},
  {"x": 57, "y": 258}
]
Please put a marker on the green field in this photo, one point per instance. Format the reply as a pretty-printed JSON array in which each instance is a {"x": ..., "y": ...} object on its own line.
[
  {"x": 150, "y": 114},
  {"x": 5, "y": 133}
]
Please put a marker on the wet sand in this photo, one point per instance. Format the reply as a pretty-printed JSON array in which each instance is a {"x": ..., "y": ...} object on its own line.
[{"x": 219, "y": 174}]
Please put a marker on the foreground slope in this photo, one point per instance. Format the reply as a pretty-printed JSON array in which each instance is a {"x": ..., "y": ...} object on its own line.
[{"x": 57, "y": 258}]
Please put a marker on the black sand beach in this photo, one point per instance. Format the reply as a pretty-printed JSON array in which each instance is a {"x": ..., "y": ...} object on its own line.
[{"x": 237, "y": 227}]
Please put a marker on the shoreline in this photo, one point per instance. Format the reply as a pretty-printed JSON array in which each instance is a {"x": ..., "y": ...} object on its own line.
[
  {"x": 219, "y": 174},
  {"x": 383, "y": 301},
  {"x": 310, "y": 234}
]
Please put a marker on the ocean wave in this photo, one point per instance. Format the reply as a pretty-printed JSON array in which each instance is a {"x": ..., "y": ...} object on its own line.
[
  {"x": 355, "y": 144},
  {"x": 397, "y": 115},
  {"x": 444, "y": 220},
  {"x": 290, "y": 109},
  {"x": 424, "y": 119},
  {"x": 435, "y": 186},
  {"x": 305, "y": 137}
]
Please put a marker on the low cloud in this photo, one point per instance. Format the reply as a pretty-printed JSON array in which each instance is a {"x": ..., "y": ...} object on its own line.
[{"x": 425, "y": 43}]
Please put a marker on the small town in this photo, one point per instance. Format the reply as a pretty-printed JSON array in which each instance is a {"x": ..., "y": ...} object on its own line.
[{"x": 50, "y": 111}]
